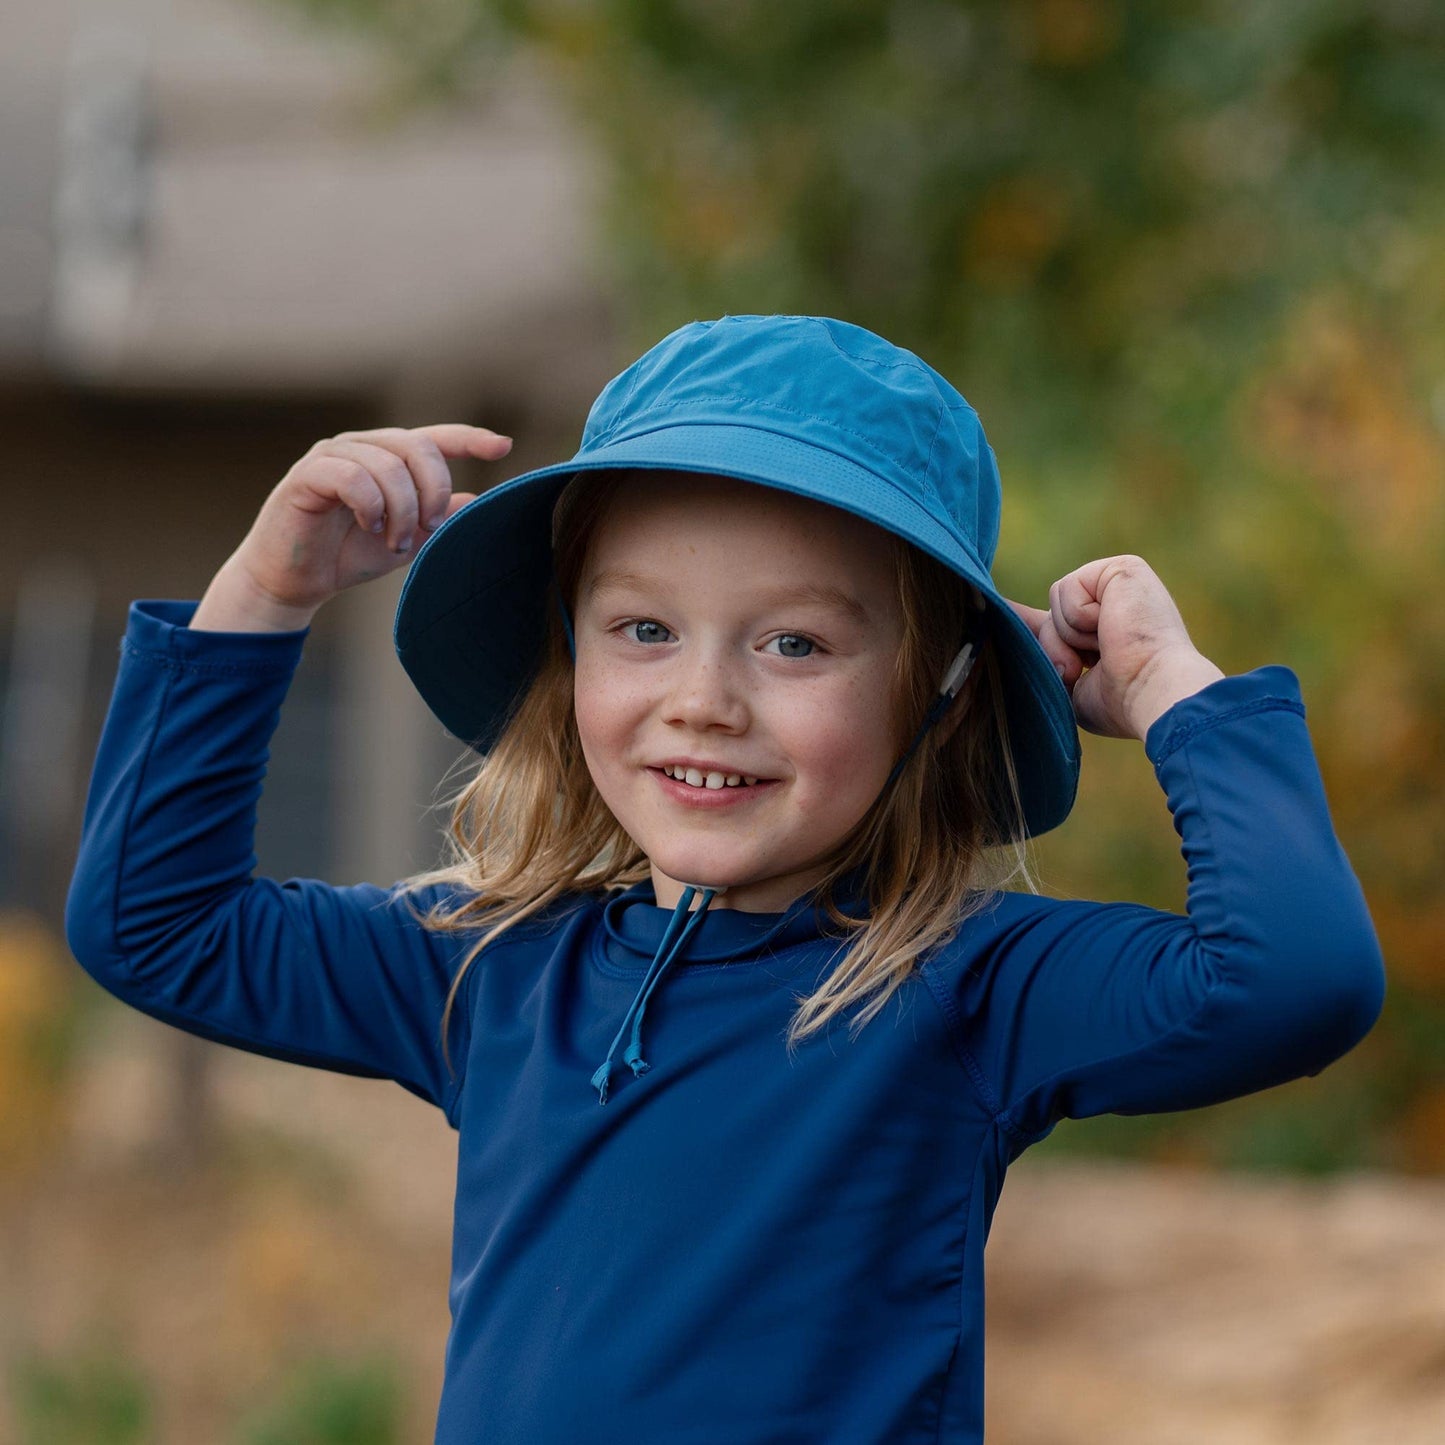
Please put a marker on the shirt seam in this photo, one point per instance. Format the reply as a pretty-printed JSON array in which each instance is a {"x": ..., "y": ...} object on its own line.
[
  {"x": 1183, "y": 1025},
  {"x": 157, "y": 716},
  {"x": 970, "y": 1195},
  {"x": 1183, "y": 731},
  {"x": 966, "y": 1059},
  {"x": 467, "y": 998},
  {"x": 172, "y": 663}
]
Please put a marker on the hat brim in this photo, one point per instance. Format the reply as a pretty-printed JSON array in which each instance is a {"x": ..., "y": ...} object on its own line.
[{"x": 472, "y": 614}]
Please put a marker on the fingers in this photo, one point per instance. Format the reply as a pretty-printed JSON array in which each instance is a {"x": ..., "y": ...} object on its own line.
[
  {"x": 458, "y": 439},
  {"x": 407, "y": 468},
  {"x": 353, "y": 485},
  {"x": 1074, "y": 613},
  {"x": 396, "y": 482},
  {"x": 1062, "y": 640}
]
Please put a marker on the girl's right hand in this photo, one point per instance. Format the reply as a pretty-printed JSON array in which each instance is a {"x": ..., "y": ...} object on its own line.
[{"x": 356, "y": 507}]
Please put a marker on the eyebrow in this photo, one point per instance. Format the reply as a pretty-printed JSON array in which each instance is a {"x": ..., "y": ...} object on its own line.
[{"x": 823, "y": 596}]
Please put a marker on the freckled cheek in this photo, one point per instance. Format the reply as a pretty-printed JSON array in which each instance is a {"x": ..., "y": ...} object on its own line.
[
  {"x": 829, "y": 761},
  {"x": 850, "y": 753},
  {"x": 607, "y": 712}
]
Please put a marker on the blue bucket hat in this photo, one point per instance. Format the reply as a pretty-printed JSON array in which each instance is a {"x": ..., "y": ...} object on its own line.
[{"x": 805, "y": 404}]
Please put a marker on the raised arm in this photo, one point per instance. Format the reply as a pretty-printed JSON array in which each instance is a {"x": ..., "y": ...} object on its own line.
[
  {"x": 1070, "y": 1008},
  {"x": 163, "y": 909}
]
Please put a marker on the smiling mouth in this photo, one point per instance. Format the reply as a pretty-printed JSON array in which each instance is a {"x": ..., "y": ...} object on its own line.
[{"x": 711, "y": 781}]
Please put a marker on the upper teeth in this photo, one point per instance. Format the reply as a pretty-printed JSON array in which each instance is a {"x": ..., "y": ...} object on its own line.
[{"x": 708, "y": 780}]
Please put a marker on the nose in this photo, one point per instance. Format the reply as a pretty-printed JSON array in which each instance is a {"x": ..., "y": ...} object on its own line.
[{"x": 707, "y": 693}]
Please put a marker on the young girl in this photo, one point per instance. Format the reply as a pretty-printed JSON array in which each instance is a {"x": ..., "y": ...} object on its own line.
[{"x": 756, "y": 728}]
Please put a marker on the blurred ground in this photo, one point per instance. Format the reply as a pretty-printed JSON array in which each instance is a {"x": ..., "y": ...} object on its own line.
[
  {"x": 1131, "y": 1304},
  {"x": 1126, "y": 1303}
]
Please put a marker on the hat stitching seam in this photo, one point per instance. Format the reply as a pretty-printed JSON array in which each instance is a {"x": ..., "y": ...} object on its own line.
[
  {"x": 636, "y": 377},
  {"x": 928, "y": 470},
  {"x": 903, "y": 358},
  {"x": 911, "y": 364},
  {"x": 607, "y": 436}
]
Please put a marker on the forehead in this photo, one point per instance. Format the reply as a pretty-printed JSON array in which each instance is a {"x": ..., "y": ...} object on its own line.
[{"x": 690, "y": 519}]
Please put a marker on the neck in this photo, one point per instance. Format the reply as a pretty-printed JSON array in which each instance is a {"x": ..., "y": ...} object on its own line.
[{"x": 769, "y": 895}]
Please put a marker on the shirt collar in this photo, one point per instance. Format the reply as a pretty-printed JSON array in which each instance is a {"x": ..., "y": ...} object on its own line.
[{"x": 634, "y": 925}]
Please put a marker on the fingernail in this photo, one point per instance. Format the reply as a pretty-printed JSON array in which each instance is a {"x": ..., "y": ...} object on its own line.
[{"x": 1060, "y": 669}]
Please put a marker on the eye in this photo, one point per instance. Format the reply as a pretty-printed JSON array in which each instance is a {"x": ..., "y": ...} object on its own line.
[
  {"x": 792, "y": 638},
  {"x": 649, "y": 630}
]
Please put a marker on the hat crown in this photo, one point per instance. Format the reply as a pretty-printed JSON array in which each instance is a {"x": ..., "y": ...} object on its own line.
[{"x": 829, "y": 383}]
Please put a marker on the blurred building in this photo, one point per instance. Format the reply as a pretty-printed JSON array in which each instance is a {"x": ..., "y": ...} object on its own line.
[{"x": 218, "y": 244}]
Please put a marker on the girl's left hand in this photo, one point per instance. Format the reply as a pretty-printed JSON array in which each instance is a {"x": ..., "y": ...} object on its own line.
[{"x": 1125, "y": 651}]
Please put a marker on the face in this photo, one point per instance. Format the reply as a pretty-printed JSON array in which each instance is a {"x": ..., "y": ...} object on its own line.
[{"x": 730, "y": 631}]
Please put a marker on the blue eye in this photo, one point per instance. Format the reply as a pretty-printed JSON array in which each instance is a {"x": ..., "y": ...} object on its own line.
[
  {"x": 794, "y": 637},
  {"x": 647, "y": 623}
]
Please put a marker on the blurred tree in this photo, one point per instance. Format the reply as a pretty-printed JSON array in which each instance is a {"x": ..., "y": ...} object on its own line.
[{"x": 1185, "y": 258}]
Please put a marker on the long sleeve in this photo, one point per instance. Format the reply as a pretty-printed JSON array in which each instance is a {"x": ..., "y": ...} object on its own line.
[
  {"x": 164, "y": 912},
  {"x": 1077, "y": 1008}
]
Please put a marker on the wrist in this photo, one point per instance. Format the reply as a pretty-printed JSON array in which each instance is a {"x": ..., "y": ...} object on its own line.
[
  {"x": 1171, "y": 678},
  {"x": 235, "y": 603}
]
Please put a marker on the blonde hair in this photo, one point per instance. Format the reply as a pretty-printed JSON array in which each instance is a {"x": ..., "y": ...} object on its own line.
[{"x": 529, "y": 828}]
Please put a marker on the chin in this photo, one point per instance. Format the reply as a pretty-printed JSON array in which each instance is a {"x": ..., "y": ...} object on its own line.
[
  {"x": 703, "y": 875},
  {"x": 699, "y": 867}
]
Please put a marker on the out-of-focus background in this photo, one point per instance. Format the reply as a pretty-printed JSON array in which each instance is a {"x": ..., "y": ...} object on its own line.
[{"x": 1188, "y": 261}]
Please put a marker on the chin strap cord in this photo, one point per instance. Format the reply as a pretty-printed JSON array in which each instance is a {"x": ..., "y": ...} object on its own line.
[
  {"x": 674, "y": 941},
  {"x": 956, "y": 676}
]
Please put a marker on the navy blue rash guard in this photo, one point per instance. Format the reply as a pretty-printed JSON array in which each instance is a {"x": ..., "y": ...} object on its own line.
[{"x": 737, "y": 1248}]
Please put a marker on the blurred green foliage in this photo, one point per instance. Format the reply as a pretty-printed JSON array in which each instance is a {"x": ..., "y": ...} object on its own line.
[
  {"x": 1188, "y": 261},
  {"x": 97, "y": 1398},
  {"x": 324, "y": 1402},
  {"x": 100, "y": 1397}
]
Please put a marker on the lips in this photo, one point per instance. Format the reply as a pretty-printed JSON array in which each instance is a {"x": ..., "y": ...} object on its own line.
[{"x": 719, "y": 795}]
